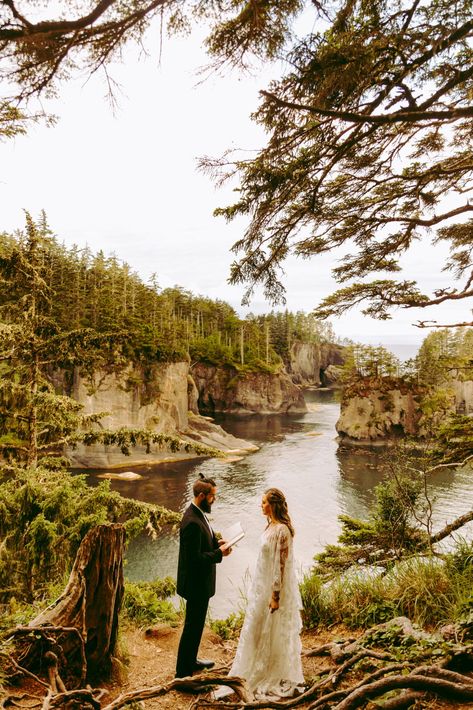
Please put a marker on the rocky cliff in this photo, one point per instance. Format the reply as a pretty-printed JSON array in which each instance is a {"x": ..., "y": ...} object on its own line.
[
  {"x": 380, "y": 409},
  {"x": 169, "y": 398},
  {"x": 463, "y": 391},
  {"x": 314, "y": 363},
  {"x": 227, "y": 390},
  {"x": 162, "y": 398}
]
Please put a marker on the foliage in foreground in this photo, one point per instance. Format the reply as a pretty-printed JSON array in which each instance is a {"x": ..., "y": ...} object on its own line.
[
  {"x": 230, "y": 627},
  {"x": 427, "y": 590},
  {"x": 368, "y": 131},
  {"x": 387, "y": 566},
  {"x": 391, "y": 532},
  {"x": 45, "y": 514},
  {"x": 148, "y": 603}
]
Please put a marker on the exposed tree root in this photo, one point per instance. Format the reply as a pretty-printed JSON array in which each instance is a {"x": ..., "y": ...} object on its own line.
[
  {"x": 194, "y": 684},
  {"x": 66, "y": 633},
  {"x": 459, "y": 691},
  {"x": 341, "y": 651},
  {"x": 16, "y": 701}
]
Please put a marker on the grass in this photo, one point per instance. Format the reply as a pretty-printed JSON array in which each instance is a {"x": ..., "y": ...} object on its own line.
[{"x": 428, "y": 590}]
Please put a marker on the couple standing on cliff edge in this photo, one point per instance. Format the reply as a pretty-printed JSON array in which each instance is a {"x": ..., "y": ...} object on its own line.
[{"x": 268, "y": 656}]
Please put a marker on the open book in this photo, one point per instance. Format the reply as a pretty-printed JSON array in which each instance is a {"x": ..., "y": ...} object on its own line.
[{"x": 232, "y": 535}]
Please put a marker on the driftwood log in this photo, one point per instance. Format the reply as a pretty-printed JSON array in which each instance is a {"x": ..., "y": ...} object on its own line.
[{"x": 81, "y": 626}]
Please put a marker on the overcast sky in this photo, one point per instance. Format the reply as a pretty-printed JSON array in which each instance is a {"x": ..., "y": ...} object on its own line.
[{"x": 127, "y": 182}]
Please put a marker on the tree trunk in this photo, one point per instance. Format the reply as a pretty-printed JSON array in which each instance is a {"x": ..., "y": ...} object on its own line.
[{"x": 90, "y": 602}]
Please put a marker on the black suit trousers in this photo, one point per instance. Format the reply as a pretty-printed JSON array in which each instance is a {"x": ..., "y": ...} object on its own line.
[{"x": 196, "y": 611}]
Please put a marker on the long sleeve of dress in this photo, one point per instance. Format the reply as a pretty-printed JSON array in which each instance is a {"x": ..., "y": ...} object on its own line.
[{"x": 281, "y": 553}]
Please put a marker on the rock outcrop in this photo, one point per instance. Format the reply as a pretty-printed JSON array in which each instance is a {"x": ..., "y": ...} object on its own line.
[
  {"x": 314, "y": 363},
  {"x": 383, "y": 408},
  {"x": 162, "y": 399},
  {"x": 226, "y": 390},
  {"x": 379, "y": 409},
  {"x": 368, "y": 419},
  {"x": 463, "y": 391}
]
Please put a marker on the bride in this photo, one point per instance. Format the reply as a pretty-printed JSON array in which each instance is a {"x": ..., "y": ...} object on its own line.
[{"x": 268, "y": 656}]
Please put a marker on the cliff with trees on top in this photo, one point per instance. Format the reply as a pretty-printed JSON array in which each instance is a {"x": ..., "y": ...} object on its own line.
[
  {"x": 384, "y": 399},
  {"x": 129, "y": 355}
]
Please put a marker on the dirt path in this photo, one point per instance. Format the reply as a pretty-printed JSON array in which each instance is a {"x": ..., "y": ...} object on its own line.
[{"x": 152, "y": 657}]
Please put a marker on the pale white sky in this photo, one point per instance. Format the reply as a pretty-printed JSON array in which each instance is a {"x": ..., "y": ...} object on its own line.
[{"x": 127, "y": 182}]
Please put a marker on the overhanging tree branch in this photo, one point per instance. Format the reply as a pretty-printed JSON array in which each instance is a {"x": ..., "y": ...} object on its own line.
[
  {"x": 413, "y": 116},
  {"x": 30, "y": 31}
]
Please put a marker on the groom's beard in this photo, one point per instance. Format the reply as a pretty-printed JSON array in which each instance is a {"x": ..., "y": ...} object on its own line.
[{"x": 205, "y": 506}]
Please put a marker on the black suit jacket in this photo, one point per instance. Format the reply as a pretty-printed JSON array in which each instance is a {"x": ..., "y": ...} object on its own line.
[{"x": 198, "y": 554}]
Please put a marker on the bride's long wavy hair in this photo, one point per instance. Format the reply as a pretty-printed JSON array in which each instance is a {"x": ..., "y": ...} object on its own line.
[{"x": 277, "y": 501}]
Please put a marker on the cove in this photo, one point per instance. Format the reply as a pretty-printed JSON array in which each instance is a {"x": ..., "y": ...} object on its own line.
[{"x": 300, "y": 455}]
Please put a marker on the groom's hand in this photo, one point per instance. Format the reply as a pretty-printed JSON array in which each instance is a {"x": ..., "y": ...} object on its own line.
[{"x": 227, "y": 550}]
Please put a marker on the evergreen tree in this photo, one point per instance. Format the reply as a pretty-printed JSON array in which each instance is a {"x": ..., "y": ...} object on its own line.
[
  {"x": 369, "y": 149},
  {"x": 34, "y": 421}
]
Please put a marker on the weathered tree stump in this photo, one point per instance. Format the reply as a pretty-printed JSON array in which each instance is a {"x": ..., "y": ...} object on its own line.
[{"x": 81, "y": 626}]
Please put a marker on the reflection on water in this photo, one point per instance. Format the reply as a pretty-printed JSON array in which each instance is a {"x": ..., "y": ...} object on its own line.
[
  {"x": 360, "y": 469},
  {"x": 301, "y": 456}
]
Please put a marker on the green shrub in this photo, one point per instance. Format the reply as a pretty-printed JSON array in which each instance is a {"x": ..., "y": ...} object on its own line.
[
  {"x": 230, "y": 627},
  {"x": 211, "y": 350},
  {"x": 146, "y": 603},
  {"x": 44, "y": 515},
  {"x": 427, "y": 590}
]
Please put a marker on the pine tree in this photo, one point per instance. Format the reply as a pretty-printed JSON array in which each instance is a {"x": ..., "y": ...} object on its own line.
[{"x": 34, "y": 420}]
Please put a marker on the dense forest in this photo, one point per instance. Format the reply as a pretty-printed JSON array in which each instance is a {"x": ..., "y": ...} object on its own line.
[{"x": 103, "y": 296}]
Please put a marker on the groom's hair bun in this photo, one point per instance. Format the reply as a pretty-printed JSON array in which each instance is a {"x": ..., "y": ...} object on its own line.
[{"x": 203, "y": 485}]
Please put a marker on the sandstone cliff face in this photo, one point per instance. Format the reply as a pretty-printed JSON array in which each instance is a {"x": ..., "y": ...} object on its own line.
[
  {"x": 379, "y": 415},
  {"x": 156, "y": 399},
  {"x": 164, "y": 400},
  {"x": 385, "y": 411},
  {"x": 224, "y": 389},
  {"x": 314, "y": 363},
  {"x": 463, "y": 391}
]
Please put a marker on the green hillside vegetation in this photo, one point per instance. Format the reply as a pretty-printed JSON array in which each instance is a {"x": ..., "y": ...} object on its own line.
[
  {"x": 121, "y": 318},
  {"x": 445, "y": 357},
  {"x": 445, "y": 354}
]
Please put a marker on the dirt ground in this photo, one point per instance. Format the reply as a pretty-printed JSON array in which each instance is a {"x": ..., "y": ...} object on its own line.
[{"x": 151, "y": 656}]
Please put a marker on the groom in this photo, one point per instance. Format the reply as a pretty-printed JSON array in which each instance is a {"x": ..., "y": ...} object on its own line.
[{"x": 199, "y": 552}]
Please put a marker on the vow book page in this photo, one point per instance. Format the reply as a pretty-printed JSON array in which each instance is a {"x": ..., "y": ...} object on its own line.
[{"x": 232, "y": 535}]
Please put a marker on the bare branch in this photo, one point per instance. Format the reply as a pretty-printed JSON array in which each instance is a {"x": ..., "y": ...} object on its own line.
[{"x": 448, "y": 529}]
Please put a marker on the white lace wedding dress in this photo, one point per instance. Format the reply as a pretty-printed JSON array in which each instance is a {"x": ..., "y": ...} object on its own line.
[{"x": 268, "y": 656}]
